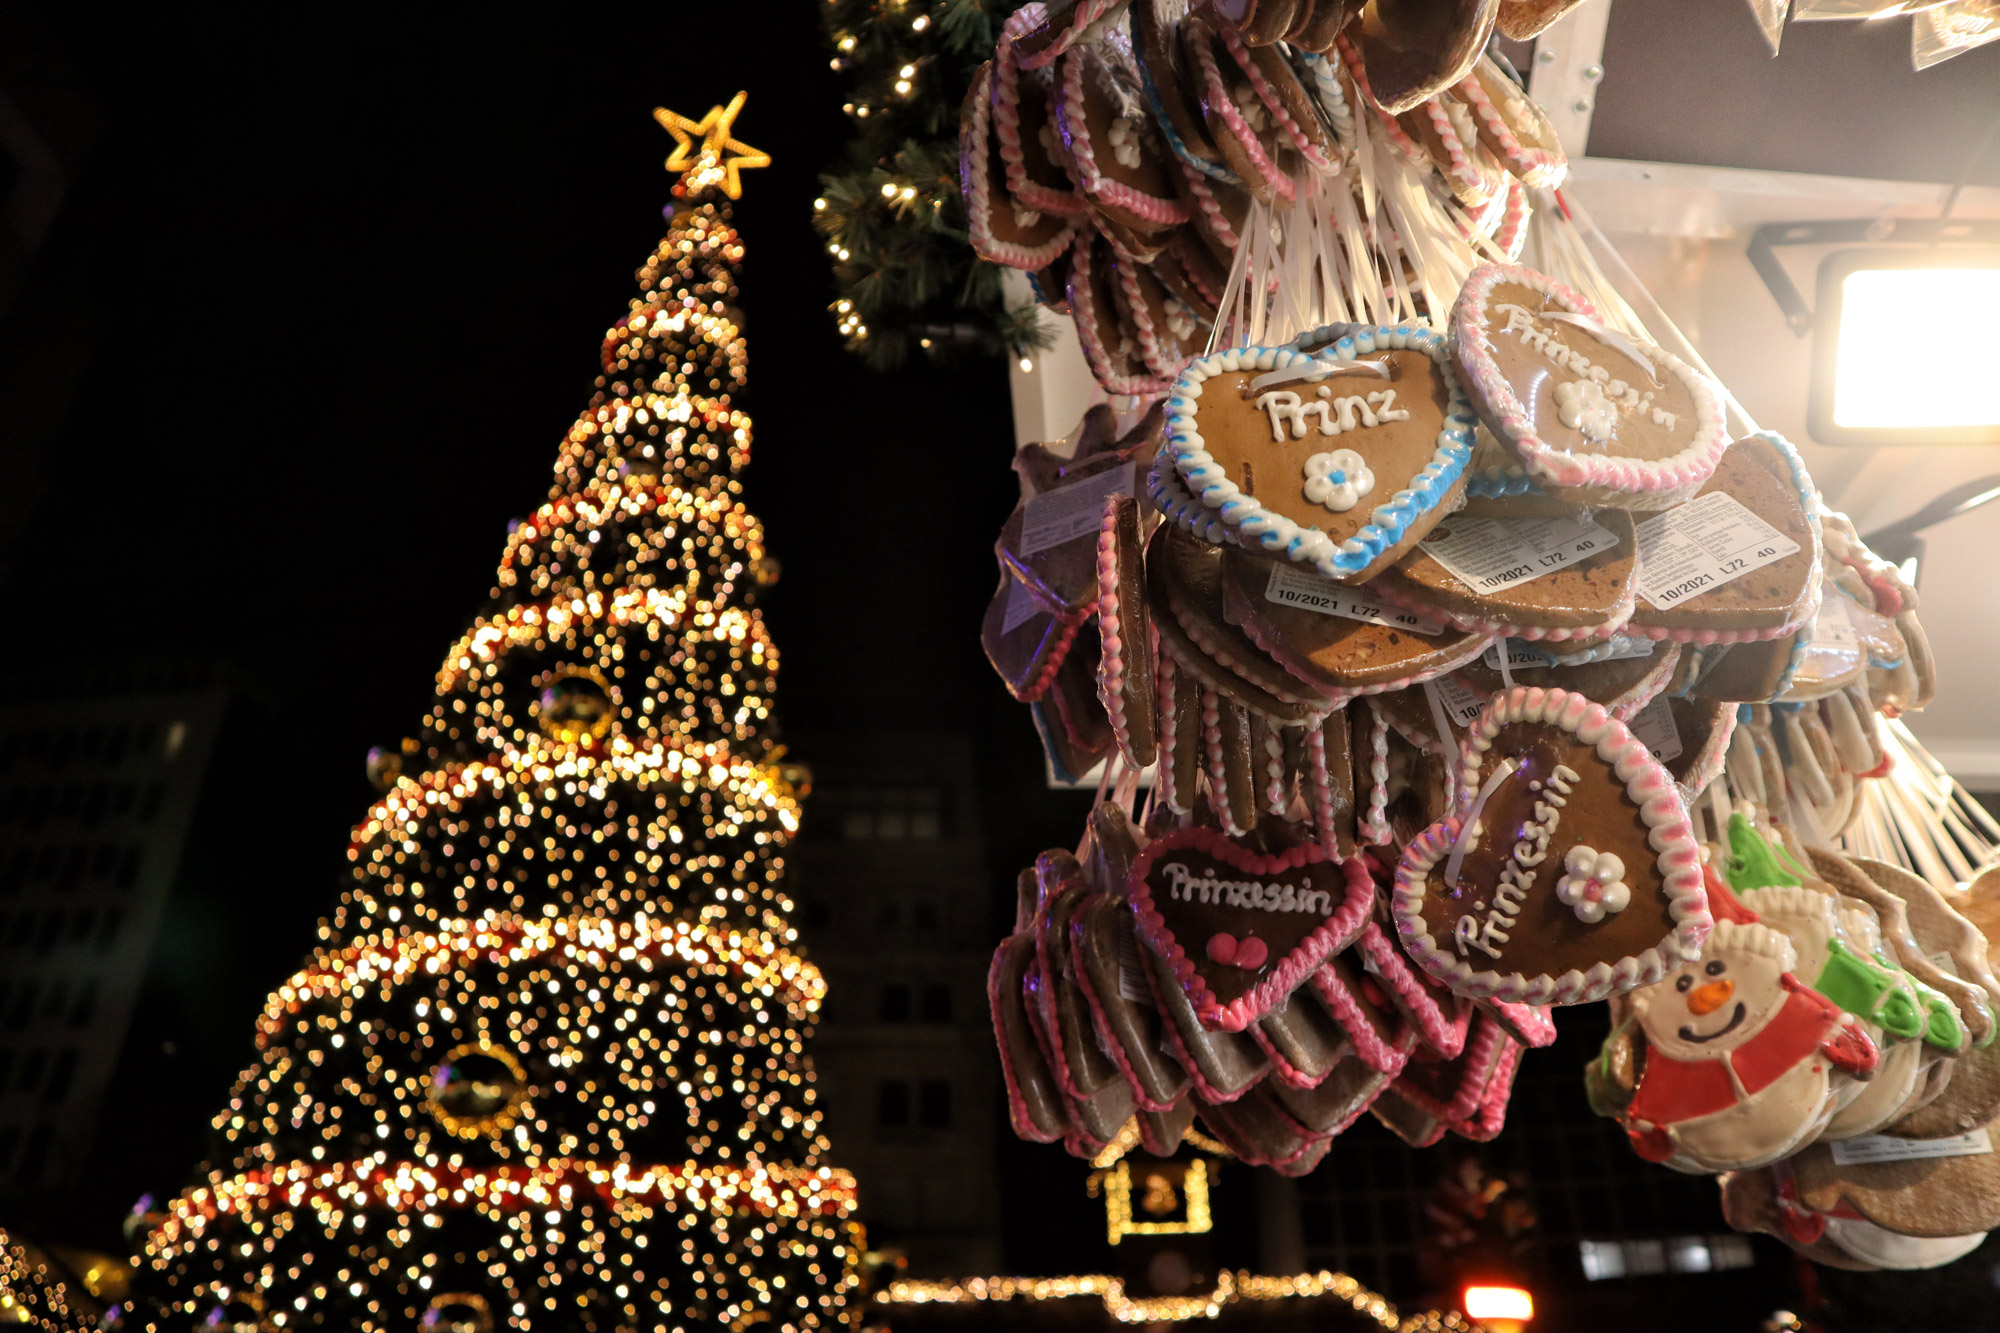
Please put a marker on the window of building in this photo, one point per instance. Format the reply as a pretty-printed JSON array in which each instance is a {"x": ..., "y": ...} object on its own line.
[
  {"x": 892, "y": 1103},
  {"x": 937, "y": 1003},
  {"x": 895, "y": 1007},
  {"x": 888, "y": 814},
  {"x": 934, "y": 1104}
]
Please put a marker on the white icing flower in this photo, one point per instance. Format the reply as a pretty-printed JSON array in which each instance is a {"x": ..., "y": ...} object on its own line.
[
  {"x": 1180, "y": 320},
  {"x": 1594, "y": 885},
  {"x": 1338, "y": 479},
  {"x": 1460, "y": 116},
  {"x": 1583, "y": 407},
  {"x": 1050, "y": 143},
  {"x": 1124, "y": 138},
  {"x": 1252, "y": 107},
  {"x": 1025, "y": 217}
]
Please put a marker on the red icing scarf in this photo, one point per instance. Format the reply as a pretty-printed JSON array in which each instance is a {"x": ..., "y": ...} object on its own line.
[{"x": 1671, "y": 1091}]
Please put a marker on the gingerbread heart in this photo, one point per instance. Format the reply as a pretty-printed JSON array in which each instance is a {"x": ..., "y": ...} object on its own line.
[
  {"x": 1115, "y": 150},
  {"x": 1554, "y": 579},
  {"x": 1414, "y": 51},
  {"x": 1511, "y": 126},
  {"x": 1341, "y": 460},
  {"x": 1568, "y": 870},
  {"x": 1024, "y": 121},
  {"x": 1197, "y": 895},
  {"x": 1253, "y": 145},
  {"x": 1003, "y": 229},
  {"x": 1592, "y": 414}
]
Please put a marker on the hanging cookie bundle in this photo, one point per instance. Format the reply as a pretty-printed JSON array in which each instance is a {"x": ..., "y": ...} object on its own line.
[{"x": 1471, "y": 654}]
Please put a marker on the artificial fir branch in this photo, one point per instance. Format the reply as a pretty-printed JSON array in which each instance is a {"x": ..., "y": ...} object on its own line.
[{"x": 891, "y": 212}]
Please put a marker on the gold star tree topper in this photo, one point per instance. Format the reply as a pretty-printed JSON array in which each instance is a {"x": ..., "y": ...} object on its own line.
[{"x": 704, "y": 153}]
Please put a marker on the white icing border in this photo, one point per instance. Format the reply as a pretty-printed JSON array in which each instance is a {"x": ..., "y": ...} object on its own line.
[
  {"x": 1647, "y": 784},
  {"x": 1273, "y": 531}
]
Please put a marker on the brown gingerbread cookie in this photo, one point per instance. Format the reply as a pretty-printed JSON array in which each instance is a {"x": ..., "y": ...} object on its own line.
[
  {"x": 1125, "y": 683},
  {"x": 1930, "y": 1197},
  {"x": 1002, "y": 228},
  {"x": 1252, "y": 142},
  {"x": 1588, "y": 597},
  {"x": 1024, "y": 641},
  {"x": 1184, "y": 589},
  {"x": 1128, "y": 1023},
  {"x": 1567, "y": 870},
  {"x": 1624, "y": 685},
  {"x": 1414, "y": 51}
]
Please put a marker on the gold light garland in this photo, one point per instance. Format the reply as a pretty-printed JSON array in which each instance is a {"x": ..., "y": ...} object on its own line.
[{"x": 1230, "y": 1288}]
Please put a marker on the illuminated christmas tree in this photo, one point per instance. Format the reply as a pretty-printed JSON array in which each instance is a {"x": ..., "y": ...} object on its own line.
[{"x": 547, "y": 1070}]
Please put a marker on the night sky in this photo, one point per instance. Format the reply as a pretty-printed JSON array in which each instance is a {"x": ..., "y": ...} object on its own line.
[{"x": 342, "y": 281}]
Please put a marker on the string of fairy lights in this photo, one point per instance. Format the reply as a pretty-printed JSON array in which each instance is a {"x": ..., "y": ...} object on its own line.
[{"x": 547, "y": 1070}]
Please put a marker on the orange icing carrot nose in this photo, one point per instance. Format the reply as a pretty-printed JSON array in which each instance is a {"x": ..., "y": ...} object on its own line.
[{"x": 1707, "y": 999}]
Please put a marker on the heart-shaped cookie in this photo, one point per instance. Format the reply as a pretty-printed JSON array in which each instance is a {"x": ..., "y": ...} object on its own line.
[
  {"x": 1512, "y": 127},
  {"x": 1764, "y": 475},
  {"x": 1115, "y": 151},
  {"x": 1523, "y": 578},
  {"x": 1594, "y": 416},
  {"x": 1184, "y": 585},
  {"x": 1115, "y": 358},
  {"x": 1415, "y": 51},
  {"x": 1156, "y": 44},
  {"x": 1335, "y": 639},
  {"x": 1195, "y": 886},
  {"x": 1252, "y": 143},
  {"x": 1624, "y": 685},
  {"x": 1004, "y": 230},
  {"x": 1125, "y": 628},
  {"x": 1568, "y": 870},
  {"x": 1024, "y": 120},
  {"x": 1342, "y": 460}
]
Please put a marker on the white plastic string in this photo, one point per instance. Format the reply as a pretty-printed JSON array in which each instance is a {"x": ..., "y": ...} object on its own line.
[
  {"x": 1317, "y": 369},
  {"x": 1463, "y": 843}
]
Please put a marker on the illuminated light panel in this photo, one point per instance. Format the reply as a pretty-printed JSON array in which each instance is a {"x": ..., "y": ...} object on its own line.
[
  {"x": 1192, "y": 1203},
  {"x": 1961, "y": 345},
  {"x": 1511, "y": 1303}
]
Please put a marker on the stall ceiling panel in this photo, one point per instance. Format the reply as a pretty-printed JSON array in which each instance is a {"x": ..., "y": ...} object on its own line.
[{"x": 1693, "y": 81}]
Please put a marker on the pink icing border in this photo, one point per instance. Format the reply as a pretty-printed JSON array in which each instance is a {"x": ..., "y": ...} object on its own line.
[
  {"x": 1627, "y": 706},
  {"x": 1268, "y": 95},
  {"x": 1204, "y": 1091},
  {"x": 1534, "y": 166},
  {"x": 1621, "y": 615},
  {"x": 1382, "y": 1054},
  {"x": 1083, "y": 303},
  {"x": 1007, "y": 100},
  {"x": 1334, "y": 934},
  {"x": 1045, "y": 993},
  {"x": 1081, "y": 17},
  {"x": 1211, "y": 208},
  {"x": 1322, "y": 786},
  {"x": 1531, "y": 1024},
  {"x": 1399, "y": 138},
  {"x": 1373, "y": 828},
  {"x": 1076, "y": 133},
  {"x": 1033, "y": 690},
  {"x": 1473, "y": 1068},
  {"x": 1443, "y": 1033},
  {"x": 1276, "y": 800},
  {"x": 1512, "y": 234},
  {"x": 1017, "y": 1105},
  {"x": 979, "y": 199},
  {"x": 1481, "y": 187},
  {"x": 1239, "y": 129},
  {"x": 1215, "y": 763},
  {"x": 1647, "y": 784},
  {"x": 1491, "y": 1116},
  {"x": 1509, "y": 418}
]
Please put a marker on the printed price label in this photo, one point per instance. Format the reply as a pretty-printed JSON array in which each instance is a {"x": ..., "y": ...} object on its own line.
[
  {"x": 1071, "y": 511},
  {"x": 1833, "y": 629},
  {"x": 1460, "y": 704},
  {"x": 1702, "y": 545},
  {"x": 1886, "y": 1148},
  {"x": 1132, "y": 987},
  {"x": 1292, "y": 586},
  {"x": 1487, "y": 554},
  {"x": 1021, "y": 607},
  {"x": 1519, "y": 654},
  {"x": 1654, "y": 726}
]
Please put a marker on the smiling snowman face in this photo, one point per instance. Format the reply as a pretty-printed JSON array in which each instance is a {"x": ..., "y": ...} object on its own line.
[{"x": 1721, "y": 999}]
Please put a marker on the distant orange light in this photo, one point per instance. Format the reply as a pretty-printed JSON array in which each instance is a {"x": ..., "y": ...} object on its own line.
[{"x": 1499, "y": 1303}]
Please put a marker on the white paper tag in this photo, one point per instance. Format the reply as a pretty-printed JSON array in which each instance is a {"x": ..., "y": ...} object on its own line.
[
  {"x": 1833, "y": 629},
  {"x": 1487, "y": 554},
  {"x": 1461, "y": 705},
  {"x": 1021, "y": 607},
  {"x": 1887, "y": 1148},
  {"x": 1654, "y": 726},
  {"x": 1072, "y": 511},
  {"x": 1518, "y": 655},
  {"x": 1292, "y": 586},
  {"x": 1707, "y": 542}
]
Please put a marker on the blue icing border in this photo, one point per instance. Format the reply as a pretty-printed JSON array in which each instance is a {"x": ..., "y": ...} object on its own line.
[
  {"x": 1808, "y": 493},
  {"x": 1389, "y": 522},
  {"x": 1495, "y": 483},
  {"x": 1172, "y": 136},
  {"x": 1326, "y": 89}
]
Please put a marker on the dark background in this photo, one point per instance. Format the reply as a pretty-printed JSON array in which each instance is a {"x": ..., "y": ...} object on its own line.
[{"x": 326, "y": 290}]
